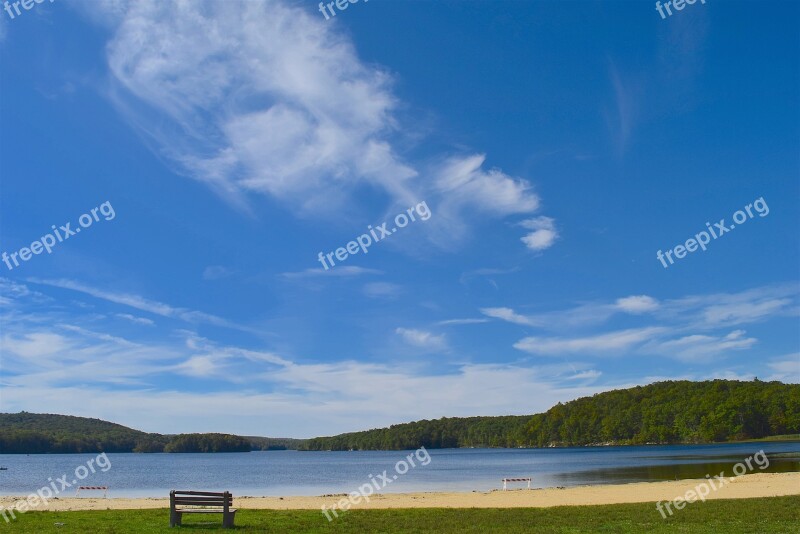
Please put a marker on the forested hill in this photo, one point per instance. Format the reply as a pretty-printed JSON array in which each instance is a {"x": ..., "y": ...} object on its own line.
[
  {"x": 663, "y": 412},
  {"x": 30, "y": 433}
]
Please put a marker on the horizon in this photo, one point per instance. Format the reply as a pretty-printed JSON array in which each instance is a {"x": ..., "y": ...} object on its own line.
[
  {"x": 374, "y": 428},
  {"x": 182, "y": 184}
]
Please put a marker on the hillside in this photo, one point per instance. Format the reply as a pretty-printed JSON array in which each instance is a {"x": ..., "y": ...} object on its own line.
[
  {"x": 663, "y": 412},
  {"x": 29, "y": 433}
]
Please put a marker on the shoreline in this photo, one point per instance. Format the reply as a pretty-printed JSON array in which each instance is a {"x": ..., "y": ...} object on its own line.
[{"x": 743, "y": 487}]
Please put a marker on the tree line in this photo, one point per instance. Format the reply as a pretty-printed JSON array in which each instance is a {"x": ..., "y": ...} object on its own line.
[
  {"x": 28, "y": 433},
  {"x": 659, "y": 413}
]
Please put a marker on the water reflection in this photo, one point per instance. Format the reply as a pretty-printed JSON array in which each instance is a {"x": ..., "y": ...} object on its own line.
[{"x": 698, "y": 468}]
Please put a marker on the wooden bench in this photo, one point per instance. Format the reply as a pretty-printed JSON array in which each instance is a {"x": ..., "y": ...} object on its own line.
[{"x": 221, "y": 503}]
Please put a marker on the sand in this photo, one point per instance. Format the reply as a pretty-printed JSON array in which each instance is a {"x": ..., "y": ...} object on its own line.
[{"x": 743, "y": 487}]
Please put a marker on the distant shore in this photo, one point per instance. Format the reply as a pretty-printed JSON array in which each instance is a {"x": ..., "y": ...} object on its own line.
[{"x": 746, "y": 486}]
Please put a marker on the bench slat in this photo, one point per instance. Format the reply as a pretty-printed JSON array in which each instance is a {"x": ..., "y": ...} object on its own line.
[
  {"x": 213, "y": 499},
  {"x": 200, "y": 511},
  {"x": 207, "y": 493},
  {"x": 203, "y": 503}
]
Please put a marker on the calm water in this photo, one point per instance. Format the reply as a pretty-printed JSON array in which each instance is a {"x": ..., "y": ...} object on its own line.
[{"x": 284, "y": 473}]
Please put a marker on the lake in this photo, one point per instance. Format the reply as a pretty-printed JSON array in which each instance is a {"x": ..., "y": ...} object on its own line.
[{"x": 290, "y": 473}]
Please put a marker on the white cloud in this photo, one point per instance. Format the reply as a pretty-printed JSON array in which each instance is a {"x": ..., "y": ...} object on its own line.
[
  {"x": 134, "y": 319},
  {"x": 313, "y": 400},
  {"x": 200, "y": 366},
  {"x": 637, "y": 304},
  {"x": 96, "y": 335},
  {"x": 674, "y": 324},
  {"x": 544, "y": 233},
  {"x": 616, "y": 342},
  {"x": 462, "y": 321},
  {"x": 730, "y": 309},
  {"x": 699, "y": 347},
  {"x": 697, "y": 312},
  {"x": 257, "y": 97},
  {"x": 744, "y": 312},
  {"x": 422, "y": 339},
  {"x": 251, "y": 390},
  {"x": 72, "y": 366},
  {"x": 343, "y": 271},
  {"x": 35, "y": 344},
  {"x": 11, "y": 291},
  {"x": 507, "y": 314},
  {"x": 786, "y": 368},
  {"x": 268, "y": 98},
  {"x": 140, "y": 303},
  {"x": 463, "y": 183},
  {"x": 586, "y": 375}
]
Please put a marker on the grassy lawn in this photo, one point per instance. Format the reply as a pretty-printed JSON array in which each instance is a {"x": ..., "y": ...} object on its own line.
[{"x": 773, "y": 515}]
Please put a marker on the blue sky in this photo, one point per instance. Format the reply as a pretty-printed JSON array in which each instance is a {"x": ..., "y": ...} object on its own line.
[{"x": 558, "y": 146}]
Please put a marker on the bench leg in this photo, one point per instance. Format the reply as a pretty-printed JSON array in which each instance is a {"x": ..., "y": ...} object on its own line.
[
  {"x": 227, "y": 519},
  {"x": 174, "y": 518}
]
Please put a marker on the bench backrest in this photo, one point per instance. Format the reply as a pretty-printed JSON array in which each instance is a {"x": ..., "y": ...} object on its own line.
[{"x": 200, "y": 498}]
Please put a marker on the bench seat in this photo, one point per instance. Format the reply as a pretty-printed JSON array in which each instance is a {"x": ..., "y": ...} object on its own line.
[{"x": 218, "y": 503}]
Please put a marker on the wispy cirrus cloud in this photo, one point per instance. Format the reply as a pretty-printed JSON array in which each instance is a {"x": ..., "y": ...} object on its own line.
[
  {"x": 47, "y": 362},
  {"x": 140, "y": 303},
  {"x": 343, "y": 271},
  {"x": 745, "y": 312},
  {"x": 462, "y": 321},
  {"x": 313, "y": 400},
  {"x": 698, "y": 347},
  {"x": 682, "y": 328},
  {"x": 623, "y": 116},
  {"x": 719, "y": 310},
  {"x": 617, "y": 342},
  {"x": 134, "y": 319},
  {"x": 698, "y": 312},
  {"x": 509, "y": 315}
]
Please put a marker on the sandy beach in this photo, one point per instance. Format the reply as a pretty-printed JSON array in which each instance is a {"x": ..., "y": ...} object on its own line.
[{"x": 746, "y": 486}]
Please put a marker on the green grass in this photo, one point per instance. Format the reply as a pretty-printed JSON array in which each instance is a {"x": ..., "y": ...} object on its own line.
[{"x": 774, "y": 515}]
